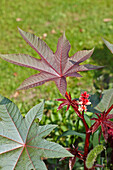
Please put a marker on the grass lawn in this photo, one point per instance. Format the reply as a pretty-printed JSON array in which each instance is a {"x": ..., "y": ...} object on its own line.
[{"x": 84, "y": 22}]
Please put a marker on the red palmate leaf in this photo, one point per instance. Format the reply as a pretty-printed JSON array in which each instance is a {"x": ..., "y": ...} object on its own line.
[
  {"x": 52, "y": 66},
  {"x": 77, "y": 154},
  {"x": 68, "y": 101},
  {"x": 104, "y": 122}
]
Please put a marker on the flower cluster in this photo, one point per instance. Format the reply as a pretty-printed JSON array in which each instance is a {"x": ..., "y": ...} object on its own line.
[{"x": 83, "y": 101}]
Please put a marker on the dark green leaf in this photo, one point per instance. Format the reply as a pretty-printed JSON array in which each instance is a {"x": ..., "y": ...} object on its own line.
[
  {"x": 72, "y": 132},
  {"x": 106, "y": 101},
  {"x": 94, "y": 99}
]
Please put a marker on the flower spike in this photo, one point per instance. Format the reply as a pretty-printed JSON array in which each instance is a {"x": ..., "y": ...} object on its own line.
[{"x": 83, "y": 101}]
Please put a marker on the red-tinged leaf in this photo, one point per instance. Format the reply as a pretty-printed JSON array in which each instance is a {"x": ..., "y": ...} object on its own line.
[
  {"x": 105, "y": 131},
  {"x": 61, "y": 84},
  {"x": 22, "y": 143},
  {"x": 110, "y": 116},
  {"x": 79, "y": 68},
  {"x": 68, "y": 106},
  {"x": 77, "y": 58},
  {"x": 98, "y": 115},
  {"x": 65, "y": 102},
  {"x": 27, "y": 61},
  {"x": 109, "y": 123},
  {"x": 41, "y": 48},
  {"x": 73, "y": 74},
  {"x": 110, "y": 132},
  {"x": 95, "y": 127},
  {"x": 72, "y": 162},
  {"x": 36, "y": 80},
  {"x": 62, "y": 100},
  {"x": 53, "y": 66},
  {"x": 109, "y": 45},
  {"x": 61, "y": 53},
  {"x": 61, "y": 105},
  {"x": 87, "y": 67}
]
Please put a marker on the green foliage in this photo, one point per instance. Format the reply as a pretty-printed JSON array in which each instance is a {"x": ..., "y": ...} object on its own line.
[
  {"x": 66, "y": 121},
  {"x": 106, "y": 101},
  {"x": 72, "y": 132},
  {"x": 93, "y": 155},
  {"x": 22, "y": 143}
]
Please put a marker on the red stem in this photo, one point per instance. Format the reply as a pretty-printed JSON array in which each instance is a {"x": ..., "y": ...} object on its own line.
[
  {"x": 77, "y": 112},
  {"x": 86, "y": 147},
  {"x": 109, "y": 109},
  {"x": 84, "y": 122}
]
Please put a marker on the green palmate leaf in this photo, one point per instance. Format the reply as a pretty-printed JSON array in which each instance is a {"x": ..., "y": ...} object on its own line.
[
  {"x": 72, "y": 132},
  {"x": 22, "y": 143},
  {"x": 4, "y": 100},
  {"x": 109, "y": 45},
  {"x": 52, "y": 66},
  {"x": 93, "y": 155},
  {"x": 106, "y": 101}
]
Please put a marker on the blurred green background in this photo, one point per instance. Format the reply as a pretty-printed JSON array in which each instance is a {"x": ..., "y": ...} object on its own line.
[{"x": 84, "y": 22}]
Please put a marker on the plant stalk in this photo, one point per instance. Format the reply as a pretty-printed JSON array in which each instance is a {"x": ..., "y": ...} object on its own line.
[{"x": 86, "y": 147}]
